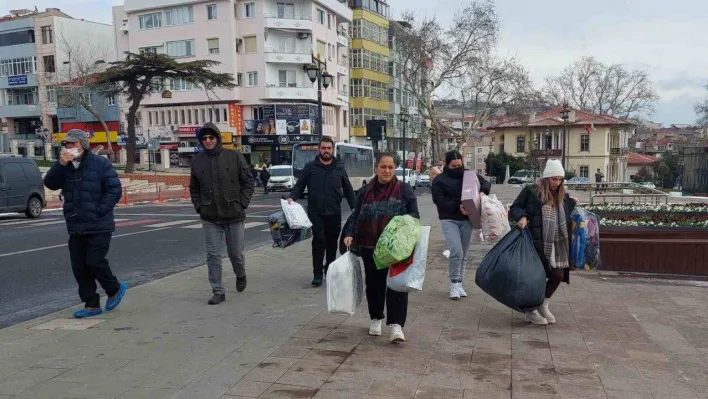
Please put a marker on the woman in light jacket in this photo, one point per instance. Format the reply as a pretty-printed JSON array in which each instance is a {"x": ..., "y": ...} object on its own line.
[
  {"x": 545, "y": 209},
  {"x": 380, "y": 201}
]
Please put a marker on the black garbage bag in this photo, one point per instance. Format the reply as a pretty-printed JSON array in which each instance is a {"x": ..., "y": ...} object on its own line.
[
  {"x": 512, "y": 273},
  {"x": 283, "y": 236}
]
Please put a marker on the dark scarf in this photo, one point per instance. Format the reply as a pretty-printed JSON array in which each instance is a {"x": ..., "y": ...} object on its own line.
[{"x": 381, "y": 202}]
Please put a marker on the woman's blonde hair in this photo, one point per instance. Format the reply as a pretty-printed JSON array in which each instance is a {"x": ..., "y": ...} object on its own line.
[{"x": 546, "y": 195}]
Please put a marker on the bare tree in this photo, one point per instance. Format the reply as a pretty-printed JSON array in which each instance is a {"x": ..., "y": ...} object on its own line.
[
  {"x": 701, "y": 109},
  {"x": 493, "y": 86},
  {"x": 76, "y": 80},
  {"x": 432, "y": 56},
  {"x": 604, "y": 89}
]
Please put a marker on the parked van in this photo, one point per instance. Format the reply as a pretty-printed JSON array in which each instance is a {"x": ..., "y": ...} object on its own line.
[
  {"x": 281, "y": 178},
  {"x": 21, "y": 186}
]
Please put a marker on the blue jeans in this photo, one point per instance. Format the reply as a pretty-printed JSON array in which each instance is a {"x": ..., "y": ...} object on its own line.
[
  {"x": 458, "y": 234},
  {"x": 235, "y": 243}
]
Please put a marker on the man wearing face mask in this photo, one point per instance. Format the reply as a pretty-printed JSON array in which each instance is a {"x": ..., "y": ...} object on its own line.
[
  {"x": 221, "y": 186},
  {"x": 91, "y": 189},
  {"x": 327, "y": 182},
  {"x": 456, "y": 226}
]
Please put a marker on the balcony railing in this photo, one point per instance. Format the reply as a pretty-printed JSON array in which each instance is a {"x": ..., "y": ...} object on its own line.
[
  {"x": 286, "y": 51},
  {"x": 291, "y": 85},
  {"x": 289, "y": 16},
  {"x": 344, "y": 93}
]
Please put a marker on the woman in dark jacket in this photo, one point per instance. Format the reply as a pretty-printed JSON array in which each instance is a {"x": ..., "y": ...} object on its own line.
[
  {"x": 456, "y": 225},
  {"x": 265, "y": 176},
  {"x": 382, "y": 199},
  {"x": 545, "y": 208}
]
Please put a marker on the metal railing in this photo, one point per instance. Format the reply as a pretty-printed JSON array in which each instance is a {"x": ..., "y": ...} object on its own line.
[
  {"x": 622, "y": 193},
  {"x": 274, "y": 50},
  {"x": 289, "y": 16}
]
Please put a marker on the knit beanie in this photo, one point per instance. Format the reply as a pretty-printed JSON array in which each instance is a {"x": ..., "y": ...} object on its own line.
[{"x": 554, "y": 168}]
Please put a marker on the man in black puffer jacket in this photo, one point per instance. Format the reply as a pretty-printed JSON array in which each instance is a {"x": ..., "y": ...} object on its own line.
[
  {"x": 327, "y": 183},
  {"x": 91, "y": 189},
  {"x": 221, "y": 185}
]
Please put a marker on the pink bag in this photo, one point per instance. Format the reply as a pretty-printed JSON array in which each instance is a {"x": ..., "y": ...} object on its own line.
[{"x": 471, "y": 198}]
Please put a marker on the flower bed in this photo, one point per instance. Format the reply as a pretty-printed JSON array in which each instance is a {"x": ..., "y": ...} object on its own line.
[
  {"x": 641, "y": 208},
  {"x": 657, "y": 221}
]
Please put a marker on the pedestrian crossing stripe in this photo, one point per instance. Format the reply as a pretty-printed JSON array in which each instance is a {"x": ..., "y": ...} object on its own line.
[
  {"x": 245, "y": 226},
  {"x": 168, "y": 224}
]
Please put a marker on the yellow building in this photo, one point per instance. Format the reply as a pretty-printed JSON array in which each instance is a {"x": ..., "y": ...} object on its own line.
[
  {"x": 369, "y": 66},
  {"x": 592, "y": 142}
]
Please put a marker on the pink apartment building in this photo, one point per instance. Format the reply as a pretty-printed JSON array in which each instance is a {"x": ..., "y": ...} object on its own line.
[{"x": 264, "y": 44}]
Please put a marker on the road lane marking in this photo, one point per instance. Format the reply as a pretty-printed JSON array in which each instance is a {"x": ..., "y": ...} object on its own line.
[
  {"x": 193, "y": 226},
  {"x": 61, "y": 221},
  {"x": 245, "y": 226},
  {"x": 20, "y": 222},
  {"x": 168, "y": 224},
  {"x": 136, "y": 222},
  {"x": 264, "y": 230},
  {"x": 64, "y": 245}
]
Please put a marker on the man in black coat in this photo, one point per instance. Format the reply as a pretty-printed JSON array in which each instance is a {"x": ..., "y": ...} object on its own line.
[
  {"x": 327, "y": 183},
  {"x": 221, "y": 186}
]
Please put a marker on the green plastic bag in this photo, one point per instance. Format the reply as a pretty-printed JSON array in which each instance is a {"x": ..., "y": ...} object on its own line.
[{"x": 397, "y": 241}]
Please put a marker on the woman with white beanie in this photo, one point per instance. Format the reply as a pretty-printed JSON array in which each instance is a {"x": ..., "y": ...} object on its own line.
[{"x": 545, "y": 209}]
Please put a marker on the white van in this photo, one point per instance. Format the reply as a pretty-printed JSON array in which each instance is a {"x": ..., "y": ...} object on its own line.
[
  {"x": 411, "y": 176},
  {"x": 281, "y": 178}
]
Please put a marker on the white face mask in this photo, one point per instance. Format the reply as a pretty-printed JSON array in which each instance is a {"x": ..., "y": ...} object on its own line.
[{"x": 74, "y": 151}]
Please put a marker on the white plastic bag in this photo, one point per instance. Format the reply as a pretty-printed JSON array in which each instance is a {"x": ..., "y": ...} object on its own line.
[
  {"x": 495, "y": 220},
  {"x": 408, "y": 275},
  {"x": 295, "y": 215},
  {"x": 345, "y": 285}
]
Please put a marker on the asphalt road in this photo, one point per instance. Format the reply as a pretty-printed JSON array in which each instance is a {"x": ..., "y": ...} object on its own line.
[{"x": 150, "y": 242}]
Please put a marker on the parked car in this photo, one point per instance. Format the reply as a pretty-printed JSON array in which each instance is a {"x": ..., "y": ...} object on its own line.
[
  {"x": 423, "y": 180},
  {"x": 21, "y": 186},
  {"x": 281, "y": 178},
  {"x": 648, "y": 184},
  {"x": 523, "y": 176},
  {"x": 578, "y": 180},
  {"x": 411, "y": 176}
]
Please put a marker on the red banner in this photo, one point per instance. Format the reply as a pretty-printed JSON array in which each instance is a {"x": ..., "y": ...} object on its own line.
[{"x": 236, "y": 117}]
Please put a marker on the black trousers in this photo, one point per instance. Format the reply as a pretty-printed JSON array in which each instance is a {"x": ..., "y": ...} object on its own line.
[
  {"x": 325, "y": 235},
  {"x": 377, "y": 294},
  {"x": 88, "y": 261}
]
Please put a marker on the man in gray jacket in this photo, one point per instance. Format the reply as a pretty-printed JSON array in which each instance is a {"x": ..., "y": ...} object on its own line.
[{"x": 221, "y": 186}]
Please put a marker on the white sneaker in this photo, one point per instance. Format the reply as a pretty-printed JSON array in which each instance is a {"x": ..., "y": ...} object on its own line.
[
  {"x": 461, "y": 291},
  {"x": 535, "y": 318},
  {"x": 375, "y": 328},
  {"x": 543, "y": 310},
  {"x": 446, "y": 253},
  {"x": 397, "y": 334},
  {"x": 454, "y": 293}
]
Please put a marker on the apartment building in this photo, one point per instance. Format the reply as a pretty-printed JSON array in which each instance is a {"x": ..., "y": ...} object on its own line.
[
  {"x": 369, "y": 66},
  {"x": 33, "y": 55},
  {"x": 264, "y": 44}
]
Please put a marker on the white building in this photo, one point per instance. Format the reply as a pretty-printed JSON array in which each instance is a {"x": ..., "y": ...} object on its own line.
[{"x": 264, "y": 44}]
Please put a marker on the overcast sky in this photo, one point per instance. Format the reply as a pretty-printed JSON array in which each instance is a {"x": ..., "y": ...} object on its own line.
[{"x": 666, "y": 38}]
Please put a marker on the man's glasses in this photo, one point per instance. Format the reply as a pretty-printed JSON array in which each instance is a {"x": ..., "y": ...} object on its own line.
[{"x": 208, "y": 138}]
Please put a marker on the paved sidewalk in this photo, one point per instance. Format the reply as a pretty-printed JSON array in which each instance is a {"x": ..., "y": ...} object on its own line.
[{"x": 615, "y": 338}]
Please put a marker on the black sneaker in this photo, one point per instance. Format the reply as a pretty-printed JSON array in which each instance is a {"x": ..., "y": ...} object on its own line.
[
  {"x": 317, "y": 281},
  {"x": 240, "y": 283},
  {"x": 217, "y": 299}
]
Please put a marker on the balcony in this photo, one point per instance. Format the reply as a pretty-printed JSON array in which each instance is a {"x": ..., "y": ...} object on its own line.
[
  {"x": 342, "y": 69},
  {"x": 20, "y": 111},
  {"x": 290, "y": 91},
  {"x": 343, "y": 98},
  {"x": 292, "y": 22},
  {"x": 342, "y": 39},
  {"x": 286, "y": 56}
]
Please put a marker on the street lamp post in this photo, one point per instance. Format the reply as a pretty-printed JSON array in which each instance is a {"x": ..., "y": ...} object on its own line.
[
  {"x": 492, "y": 178},
  {"x": 536, "y": 147},
  {"x": 564, "y": 115},
  {"x": 404, "y": 121},
  {"x": 317, "y": 71}
]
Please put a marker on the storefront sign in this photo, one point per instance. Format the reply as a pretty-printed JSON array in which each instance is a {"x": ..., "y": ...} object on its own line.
[
  {"x": 187, "y": 131},
  {"x": 256, "y": 139},
  {"x": 236, "y": 117},
  {"x": 17, "y": 80},
  {"x": 283, "y": 119},
  {"x": 93, "y": 137}
]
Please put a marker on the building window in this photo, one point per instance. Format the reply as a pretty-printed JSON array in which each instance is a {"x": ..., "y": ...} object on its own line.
[
  {"x": 49, "y": 65},
  {"x": 252, "y": 79},
  {"x": 520, "y": 144},
  {"x": 321, "y": 49},
  {"x": 183, "y": 48},
  {"x": 226, "y": 115},
  {"x": 148, "y": 50},
  {"x": 584, "y": 171},
  {"x": 320, "y": 17},
  {"x": 213, "y": 45},
  {"x": 211, "y": 12},
  {"x": 585, "y": 143},
  {"x": 179, "y": 16},
  {"x": 51, "y": 94},
  {"x": 250, "y": 10},
  {"x": 18, "y": 66},
  {"x": 286, "y": 10},
  {"x": 329, "y": 21},
  {"x": 150, "y": 21},
  {"x": 344, "y": 118},
  {"x": 251, "y": 44},
  {"x": 47, "y": 35},
  {"x": 189, "y": 116},
  {"x": 111, "y": 100},
  {"x": 287, "y": 79},
  {"x": 181, "y": 85},
  {"x": 239, "y": 79}
]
